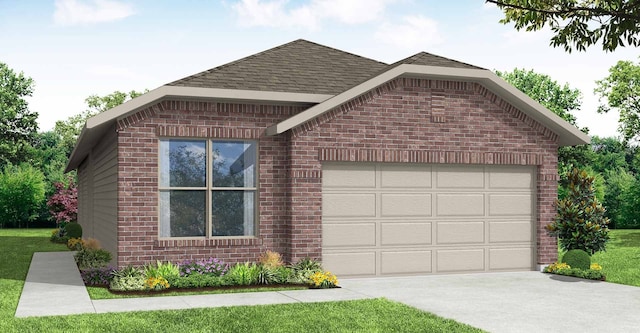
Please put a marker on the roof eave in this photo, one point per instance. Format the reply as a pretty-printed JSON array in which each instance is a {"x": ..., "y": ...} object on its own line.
[
  {"x": 568, "y": 134},
  {"x": 96, "y": 126}
]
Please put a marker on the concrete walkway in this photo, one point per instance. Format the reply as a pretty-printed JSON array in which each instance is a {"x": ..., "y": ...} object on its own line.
[{"x": 54, "y": 287}]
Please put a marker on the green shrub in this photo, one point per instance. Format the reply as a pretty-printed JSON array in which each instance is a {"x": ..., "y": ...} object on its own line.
[
  {"x": 166, "y": 270},
  {"x": 128, "y": 279},
  {"x": 274, "y": 274},
  {"x": 580, "y": 222},
  {"x": 197, "y": 281},
  {"x": 21, "y": 195},
  {"x": 243, "y": 274},
  {"x": 92, "y": 258},
  {"x": 303, "y": 270},
  {"x": 577, "y": 259},
  {"x": 73, "y": 230},
  {"x": 59, "y": 236}
]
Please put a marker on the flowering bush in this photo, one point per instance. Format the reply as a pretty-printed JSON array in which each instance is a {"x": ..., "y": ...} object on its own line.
[
  {"x": 63, "y": 204},
  {"x": 594, "y": 273},
  {"x": 555, "y": 267},
  {"x": 59, "y": 236},
  {"x": 156, "y": 283},
  {"x": 595, "y": 267},
  {"x": 75, "y": 244},
  {"x": 209, "y": 266},
  {"x": 323, "y": 280},
  {"x": 97, "y": 276}
]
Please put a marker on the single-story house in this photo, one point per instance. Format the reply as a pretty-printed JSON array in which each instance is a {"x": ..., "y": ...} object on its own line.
[{"x": 426, "y": 165}]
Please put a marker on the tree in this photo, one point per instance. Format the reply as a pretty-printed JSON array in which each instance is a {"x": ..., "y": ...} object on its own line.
[
  {"x": 577, "y": 23},
  {"x": 580, "y": 222},
  {"x": 18, "y": 124},
  {"x": 63, "y": 204},
  {"x": 621, "y": 90},
  {"x": 21, "y": 194},
  {"x": 69, "y": 129}
]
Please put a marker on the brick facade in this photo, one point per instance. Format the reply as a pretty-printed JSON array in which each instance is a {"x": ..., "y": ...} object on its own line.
[{"x": 403, "y": 121}]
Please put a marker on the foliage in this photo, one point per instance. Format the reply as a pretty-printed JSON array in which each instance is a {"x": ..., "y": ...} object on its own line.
[
  {"x": 73, "y": 230},
  {"x": 99, "y": 276},
  {"x": 619, "y": 183},
  {"x": 620, "y": 90},
  {"x": 580, "y": 222},
  {"x": 128, "y": 279},
  {"x": 243, "y": 274},
  {"x": 271, "y": 259},
  {"x": 18, "y": 126},
  {"x": 577, "y": 23},
  {"x": 304, "y": 269},
  {"x": 59, "y": 236},
  {"x": 211, "y": 266},
  {"x": 156, "y": 283},
  {"x": 595, "y": 267},
  {"x": 75, "y": 244},
  {"x": 198, "y": 281},
  {"x": 590, "y": 274},
  {"x": 92, "y": 258},
  {"x": 630, "y": 205},
  {"x": 556, "y": 266},
  {"x": 323, "y": 280},
  {"x": 577, "y": 259},
  {"x": 21, "y": 193},
  {"x": 166, "y": 271},
  {"x": 63, "y": 204}
]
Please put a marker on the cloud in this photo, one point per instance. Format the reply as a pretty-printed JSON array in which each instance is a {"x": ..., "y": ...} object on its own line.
[
  {"x": 75, "y": 12},
  {"x": 277, "y": 13},
  {"x": 414, "y": 32}
]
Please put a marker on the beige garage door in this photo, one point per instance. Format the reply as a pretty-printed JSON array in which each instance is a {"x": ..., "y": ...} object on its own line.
[{"x": 403, "y": 219}]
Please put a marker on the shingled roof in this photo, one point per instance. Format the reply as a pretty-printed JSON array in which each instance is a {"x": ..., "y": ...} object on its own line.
[
  {"x": 428, "y": 59},
  {"x": 299, "y": 67}
]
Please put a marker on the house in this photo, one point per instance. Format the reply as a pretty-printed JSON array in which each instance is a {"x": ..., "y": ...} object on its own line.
[{"x": 427, "y": 165}]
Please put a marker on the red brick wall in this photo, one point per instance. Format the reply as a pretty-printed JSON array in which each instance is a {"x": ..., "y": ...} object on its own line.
[
  {"x": 406, "y": 120},
  {"x": 138, "y": 137},
  {"x": 419, "y": 121}
]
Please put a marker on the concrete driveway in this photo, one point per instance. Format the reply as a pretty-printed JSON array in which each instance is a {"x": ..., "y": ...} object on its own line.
[{"x": 514, "y": 302}]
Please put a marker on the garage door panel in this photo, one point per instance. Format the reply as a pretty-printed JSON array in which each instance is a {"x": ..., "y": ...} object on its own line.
[
  {"x": 460, "y": 232},
  {"x": 352, "y": 234},
  {"x": 395, "y": 233},
  {"x": 463, "y": 204},
  {"x": 510, "y": 204},
  {"x": 510, "y": 231},
  {"x": 349, "y": 175},
  {"x": 350, "y": 263},
  {"x": 405, "y": 262},
  {"x": 405, "y": 205},
  {"x": 460, "y": 260},
  {"x": 348, "y": 205},
  {"x": 510, "y": 259},
  {"x": 510, "y": 178},
  {"x": 402, "y": 177},
  {"x": 460, "y": 177}
]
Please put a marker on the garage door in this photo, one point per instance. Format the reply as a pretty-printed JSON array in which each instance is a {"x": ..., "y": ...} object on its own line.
[{"x": 403, "y": 219}]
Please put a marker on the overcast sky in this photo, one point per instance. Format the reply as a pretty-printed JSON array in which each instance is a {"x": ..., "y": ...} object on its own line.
[{"x": 75, "y": 48}]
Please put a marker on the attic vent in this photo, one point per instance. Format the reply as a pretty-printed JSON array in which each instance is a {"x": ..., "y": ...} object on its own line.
[{"x": 438, "y": 107}]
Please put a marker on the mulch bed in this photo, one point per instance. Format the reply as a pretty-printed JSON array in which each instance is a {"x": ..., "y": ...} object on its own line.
[{"x": 195, "y": 290}]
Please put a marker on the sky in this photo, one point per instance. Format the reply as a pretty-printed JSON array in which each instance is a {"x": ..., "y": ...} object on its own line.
[{"x": 76, "y": 48}]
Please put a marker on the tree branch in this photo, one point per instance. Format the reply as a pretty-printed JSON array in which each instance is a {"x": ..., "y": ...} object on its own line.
[{"x": 622, "y": 13}]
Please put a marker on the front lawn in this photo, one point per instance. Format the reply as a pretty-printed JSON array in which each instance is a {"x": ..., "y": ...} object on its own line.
[
  {"x": 621, "y": 261},
  {"x": 377, "y": 315}
]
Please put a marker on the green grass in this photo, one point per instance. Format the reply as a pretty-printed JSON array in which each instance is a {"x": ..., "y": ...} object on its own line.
[
  {"x": 377, "y": 315},
  {"x": 621, "y": 261}
]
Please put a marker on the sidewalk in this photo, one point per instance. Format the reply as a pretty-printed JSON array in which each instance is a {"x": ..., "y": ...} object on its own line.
[{"x": 54, "y": 287}]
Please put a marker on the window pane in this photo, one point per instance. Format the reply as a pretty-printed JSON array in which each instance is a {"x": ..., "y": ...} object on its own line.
[
  {"x": 182, "y": 213},
  {"x": 234, "y": 164},
  {"x": 183, "y": 163},
  {"x": 233, "y": 213}
]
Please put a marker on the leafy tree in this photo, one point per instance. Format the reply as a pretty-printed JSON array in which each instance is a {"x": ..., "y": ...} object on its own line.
[
  {"x": 629, "y": 206},
  {"x": 621, "y": 91},
  {"x": 21, "y": 193},
  {"x": 577, "y": 23},
  {"x": 63, "y": 204},
  {"x": 580, "y": 222},
  {"x": 18, "y": 124},
  {"x": 69, "y": 129},
  {"x": 619, "y": 183}
]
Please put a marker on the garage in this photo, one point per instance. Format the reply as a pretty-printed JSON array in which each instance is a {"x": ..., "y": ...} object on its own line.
[{"x": 404, "y": 219}]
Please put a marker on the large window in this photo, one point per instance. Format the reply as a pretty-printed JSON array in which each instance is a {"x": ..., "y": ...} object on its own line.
[{"x": 207, "y": 187}]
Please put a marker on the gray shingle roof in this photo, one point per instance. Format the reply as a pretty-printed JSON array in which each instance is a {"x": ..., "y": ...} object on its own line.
[
  {"x": 303, "y": 67},
  {"x": 299, "y": 66}
]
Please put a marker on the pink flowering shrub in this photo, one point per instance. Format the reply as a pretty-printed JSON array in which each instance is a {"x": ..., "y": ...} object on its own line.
[{"x": 63, "y": 204}]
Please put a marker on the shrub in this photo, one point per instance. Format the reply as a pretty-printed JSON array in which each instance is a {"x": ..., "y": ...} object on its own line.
[
  {"x": 63, "y": 204},
  {"x": 73, "y": 230},
  {"x": 243, "y": 274},
  {"x": 91, "y": 243},
  {"x": 75, "y": 244},
  {"x": 271, "y": 259},
  {"x": 580, "y": 222},
  {"x": 128, "y": 279},
  {"x": 577, "y": 259},
  {"x": 59, "y": 236},
  {"x": 156, "y": 283},
  {"x": 303, "y": 270},
  {"x": 595, "y": 267},
  {"x": 323, "y": 280},
  {"x": 101, "y": 276},
  {"x": 555, "y": 267},
  {"x": 198, "y": 281},
  {"x": 166, "y": 271},
  {"x": 21, "y": 194},
  {"x": 209, "y": 266},
  {"x": 90, "y": 258}
]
